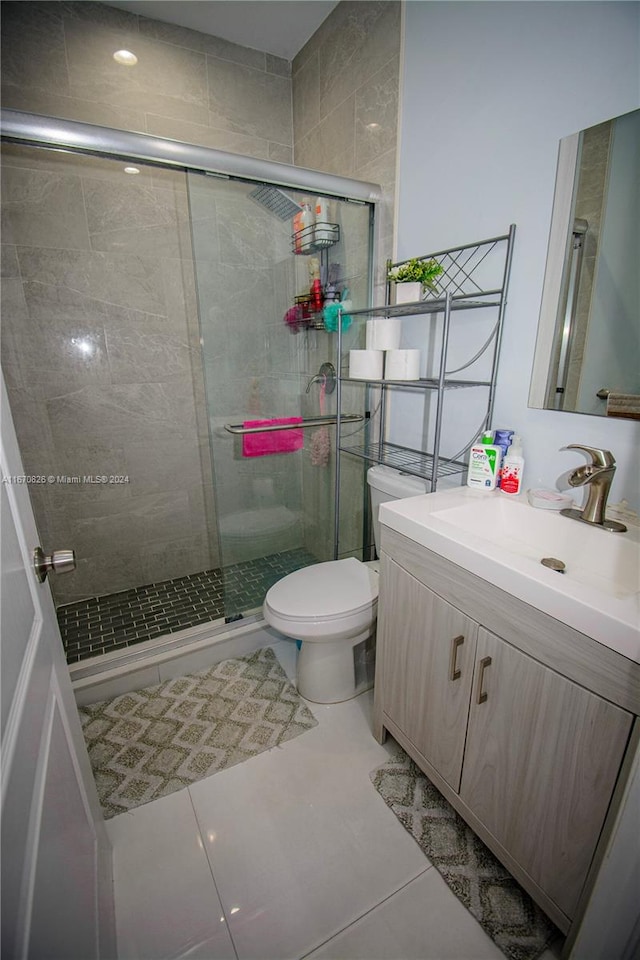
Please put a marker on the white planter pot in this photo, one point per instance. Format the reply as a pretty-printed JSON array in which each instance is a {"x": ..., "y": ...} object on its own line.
[{"x": 406, "y": 292}]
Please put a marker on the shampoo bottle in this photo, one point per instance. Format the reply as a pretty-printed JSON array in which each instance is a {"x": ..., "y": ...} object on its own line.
[
  {"x": 297, "y": 229},
  {"x": 322, "y": 234},
  {"x": 307, "y": 221},
  {"x": 513, "y": 468},
  {"x": 484, "y": 464}
]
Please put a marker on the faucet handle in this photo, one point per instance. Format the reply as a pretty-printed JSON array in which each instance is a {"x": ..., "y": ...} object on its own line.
[{"x": 599, "y": 458}]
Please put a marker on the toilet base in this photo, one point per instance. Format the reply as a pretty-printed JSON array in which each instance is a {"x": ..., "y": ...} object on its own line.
[{"x": 336, "y": 671}]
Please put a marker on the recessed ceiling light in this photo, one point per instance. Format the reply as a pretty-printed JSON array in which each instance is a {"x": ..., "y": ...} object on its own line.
[
  {"x": 125, "y": 57},
  {"x": 373, "y": 126},
  {"x": 131, "y": 170}
]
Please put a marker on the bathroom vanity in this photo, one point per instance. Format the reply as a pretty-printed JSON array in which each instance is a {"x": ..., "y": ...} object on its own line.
[{"x": 525, "y": 723}]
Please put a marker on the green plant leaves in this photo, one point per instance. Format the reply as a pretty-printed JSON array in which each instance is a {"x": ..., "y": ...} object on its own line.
[{"x": 417, "y": 271}]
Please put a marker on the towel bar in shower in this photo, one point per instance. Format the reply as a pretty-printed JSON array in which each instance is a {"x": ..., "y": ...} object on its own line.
[{"x": 238, "y": 428}]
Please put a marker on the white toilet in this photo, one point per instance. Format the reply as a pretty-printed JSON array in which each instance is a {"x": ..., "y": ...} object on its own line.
[{"x": 332, "y": 607}]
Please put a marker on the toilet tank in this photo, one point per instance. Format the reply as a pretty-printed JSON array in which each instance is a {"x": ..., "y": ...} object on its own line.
[{"x": 388, "y": 484}]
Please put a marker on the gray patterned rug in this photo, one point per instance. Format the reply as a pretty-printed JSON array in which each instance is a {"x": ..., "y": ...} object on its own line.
[
  {"x": 157, "y": 740},
  {"x": 503, "y": 909}
]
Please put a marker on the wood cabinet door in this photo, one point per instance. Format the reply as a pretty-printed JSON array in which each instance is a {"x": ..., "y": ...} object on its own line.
[
  {"x": 428, "y": 650},
  {"x": 540, "y": 765}
]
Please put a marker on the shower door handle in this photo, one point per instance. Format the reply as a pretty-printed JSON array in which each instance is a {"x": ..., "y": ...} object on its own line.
[{"x": 60, "y": 561}]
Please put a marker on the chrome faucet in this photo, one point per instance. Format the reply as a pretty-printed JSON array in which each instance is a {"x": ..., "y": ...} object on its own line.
[
  {"x": 326, "y": 375},
  {"x": 598, "y": 475},
  {"x": 317, "y": 379}
]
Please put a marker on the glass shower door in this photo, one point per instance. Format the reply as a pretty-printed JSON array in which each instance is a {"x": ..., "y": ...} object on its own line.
[
  {"x": 99, "y": 349},
  {"x": 261, "y": 349}
]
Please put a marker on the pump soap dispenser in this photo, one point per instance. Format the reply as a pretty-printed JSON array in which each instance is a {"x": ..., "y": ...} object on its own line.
[{"x": 513, "y": 468}]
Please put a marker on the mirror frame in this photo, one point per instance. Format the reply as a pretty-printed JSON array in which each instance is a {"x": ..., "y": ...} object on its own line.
[{"x": 557, "y": 252}]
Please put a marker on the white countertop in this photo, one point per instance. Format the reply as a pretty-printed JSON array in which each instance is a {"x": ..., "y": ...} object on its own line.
[{"x": 502, "y": 540}]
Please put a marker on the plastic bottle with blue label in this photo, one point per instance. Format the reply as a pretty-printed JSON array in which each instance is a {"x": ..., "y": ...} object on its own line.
[{"x": 502, "y": 439}]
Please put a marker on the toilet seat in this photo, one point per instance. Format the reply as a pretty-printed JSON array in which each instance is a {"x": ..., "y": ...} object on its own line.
[
  {"x": 325, "y": 591},
  {"x": 338, "y": 598}
]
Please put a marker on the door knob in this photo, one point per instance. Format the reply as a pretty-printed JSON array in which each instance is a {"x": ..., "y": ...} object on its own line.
[{"x": 60, "y": 561}]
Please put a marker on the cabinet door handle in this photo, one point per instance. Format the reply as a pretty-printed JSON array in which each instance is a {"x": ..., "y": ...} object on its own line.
[
  {"x": 454, "y": 672},
  {"x": 482, "y": 694}
]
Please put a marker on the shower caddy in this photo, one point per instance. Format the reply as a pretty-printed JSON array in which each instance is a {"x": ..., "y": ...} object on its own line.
[
  {"x": 314, "y": 239},
  {"x": 474, "y": 276}
]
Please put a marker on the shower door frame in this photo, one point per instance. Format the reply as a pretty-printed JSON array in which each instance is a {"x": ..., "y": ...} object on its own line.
[
  {"x": 76, "y": 137},
  {"x": 19, "y": 127}
]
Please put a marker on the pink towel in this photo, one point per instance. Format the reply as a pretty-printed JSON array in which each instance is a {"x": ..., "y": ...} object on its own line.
[{"x": 274, "y": 441}]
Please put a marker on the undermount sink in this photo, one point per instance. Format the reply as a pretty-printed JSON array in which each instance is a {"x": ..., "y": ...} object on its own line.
[{"x": 504, "y": 540}]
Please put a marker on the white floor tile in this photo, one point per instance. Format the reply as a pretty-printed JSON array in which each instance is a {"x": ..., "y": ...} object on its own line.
[
  {"x": 166, "y": 901},
  {"x": 288, "y": 855},
  {"x": 423, "y": 921},
  {"x": 299, "y": 841}
]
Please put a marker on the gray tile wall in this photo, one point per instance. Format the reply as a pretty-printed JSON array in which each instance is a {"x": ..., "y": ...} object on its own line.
[
  {"x": 89, "y": 250},
  {"x": 101, "y": 355},
  {"x": 57, "y": 59},
  {"x": 345, "y": 102},
  {"x": 345, "y": 121}
]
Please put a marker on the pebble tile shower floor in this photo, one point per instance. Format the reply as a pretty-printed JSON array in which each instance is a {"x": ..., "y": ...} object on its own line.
[{"x": 100, "y": 625}]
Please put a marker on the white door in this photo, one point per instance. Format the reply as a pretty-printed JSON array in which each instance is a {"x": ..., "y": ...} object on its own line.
[{"x": 57, "y": 896}]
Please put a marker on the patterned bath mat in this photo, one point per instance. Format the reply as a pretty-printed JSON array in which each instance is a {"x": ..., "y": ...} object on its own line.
[
  {"x": 505, "y": 912},
  {"x": 157, "y": 740}
]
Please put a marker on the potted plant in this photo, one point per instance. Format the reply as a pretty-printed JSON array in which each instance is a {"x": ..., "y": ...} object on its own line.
[{"x": 413, "y": 279}]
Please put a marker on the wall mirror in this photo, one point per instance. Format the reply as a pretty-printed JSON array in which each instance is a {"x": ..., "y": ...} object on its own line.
[{"x": 587, "y": 357}]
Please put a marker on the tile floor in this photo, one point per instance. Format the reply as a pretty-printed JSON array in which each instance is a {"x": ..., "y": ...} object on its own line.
[
  {"x": 98, "y": 625},
  {"x": 292, "y": 854}
]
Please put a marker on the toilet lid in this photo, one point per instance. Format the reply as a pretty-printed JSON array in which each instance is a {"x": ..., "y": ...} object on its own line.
[{"x": 325, "y": 590}]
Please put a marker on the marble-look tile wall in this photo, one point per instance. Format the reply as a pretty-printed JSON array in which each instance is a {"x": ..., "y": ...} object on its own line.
[
  {"x": 57, "y": 60},
  {"x": 345, "y": 103},
  {"x": 100, "y": 353},
  {"x": 121, "y": 251},
  {"x": 254, "y": 367},
  {"x": 345, "y": 121}
]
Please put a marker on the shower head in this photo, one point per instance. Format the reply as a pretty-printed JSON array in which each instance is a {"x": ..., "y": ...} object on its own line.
[{"x": 275, "y": 201}]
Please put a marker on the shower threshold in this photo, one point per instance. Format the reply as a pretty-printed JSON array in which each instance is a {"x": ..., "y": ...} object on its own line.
[{"x": 102, "y": 626}]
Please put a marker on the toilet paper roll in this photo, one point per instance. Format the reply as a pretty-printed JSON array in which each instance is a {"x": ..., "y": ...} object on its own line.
[
  {"x": 402, "y": 365},
  {"x": 383, "y": 333},
  {"x": 366, "y": 364}
]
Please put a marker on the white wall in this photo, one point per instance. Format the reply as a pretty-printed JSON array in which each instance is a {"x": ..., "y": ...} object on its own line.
[{"x": 489, "y": 90}]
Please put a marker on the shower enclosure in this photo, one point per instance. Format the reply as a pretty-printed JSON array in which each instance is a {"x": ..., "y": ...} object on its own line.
[{"x": 149, "y": 319}]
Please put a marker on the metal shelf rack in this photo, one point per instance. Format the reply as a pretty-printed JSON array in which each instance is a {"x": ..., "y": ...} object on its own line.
[
  {"x": 416, "y": 462},
  {"x": 475, "y": 276}
]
